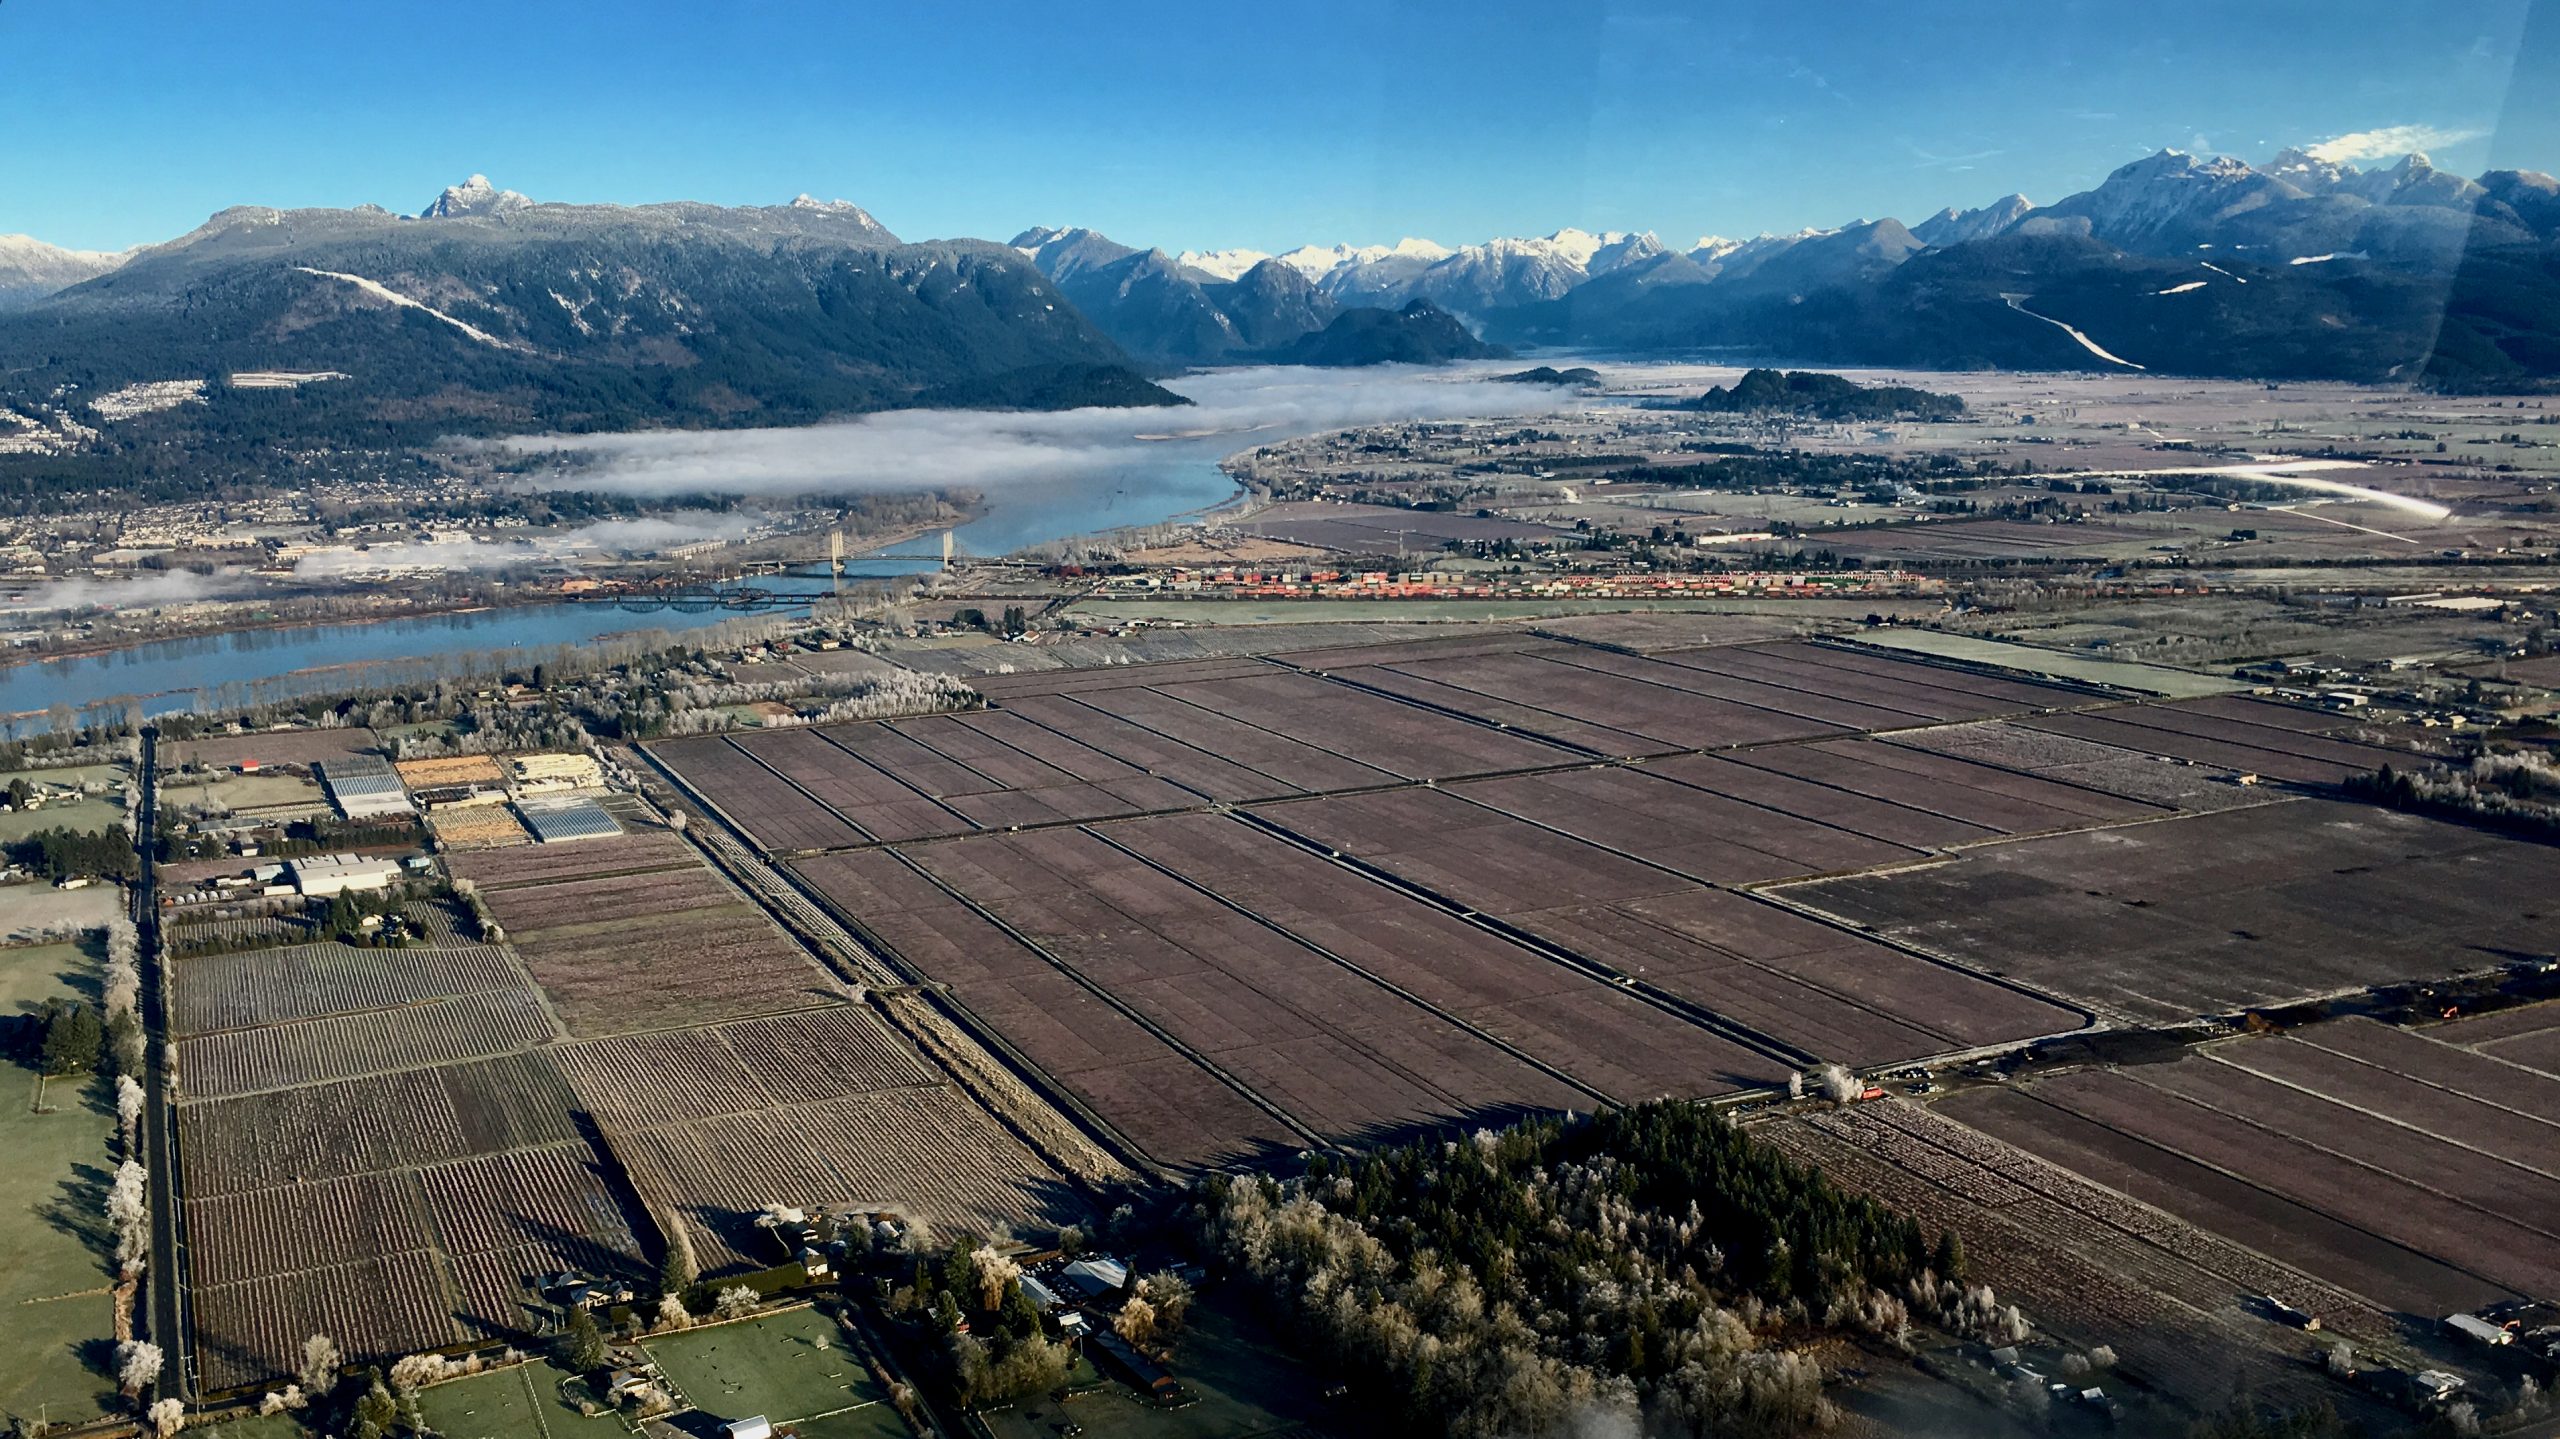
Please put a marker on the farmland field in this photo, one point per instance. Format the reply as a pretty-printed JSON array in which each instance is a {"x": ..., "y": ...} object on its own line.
[
  {"x": 2404, "y": 1169},
  {"x": 2213, "y": 913},
  {"x": 636, "y": 932},
  {"x": 53, "y": 1266},
  {"x": 2174, "y": 1301}
]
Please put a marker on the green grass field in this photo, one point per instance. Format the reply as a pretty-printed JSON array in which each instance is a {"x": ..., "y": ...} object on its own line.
[
  {"x": 794, "y": 1368},
  {"x": 79, "y": 814},
  {"x": 519, "y": 1403},
  {"x": 55, "y": 1310}
]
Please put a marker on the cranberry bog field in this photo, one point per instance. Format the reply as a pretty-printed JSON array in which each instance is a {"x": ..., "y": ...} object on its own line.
[{"x": 1237, "y": 906}]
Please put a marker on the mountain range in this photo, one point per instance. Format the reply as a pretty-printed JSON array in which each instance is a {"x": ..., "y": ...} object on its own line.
[
  {"x": 2301, "y": 268},
  {"x": 487, "y": 311}
]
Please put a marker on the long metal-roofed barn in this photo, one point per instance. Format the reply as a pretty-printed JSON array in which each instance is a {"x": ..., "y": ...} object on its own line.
[
  {"x": 554, "y": 821},
  {"x": 364, "y": 787}
]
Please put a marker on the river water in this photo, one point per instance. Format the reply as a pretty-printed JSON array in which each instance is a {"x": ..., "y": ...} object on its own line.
[
  {"x": 302, "y": 659},
  {"x": 1044, "y": 477}
]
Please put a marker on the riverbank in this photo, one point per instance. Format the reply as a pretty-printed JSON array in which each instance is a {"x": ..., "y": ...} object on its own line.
[{"x": 393, "y": 609}]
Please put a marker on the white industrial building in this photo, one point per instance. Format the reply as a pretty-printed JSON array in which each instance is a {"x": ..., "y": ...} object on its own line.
[{"x": 328, "y": 874}]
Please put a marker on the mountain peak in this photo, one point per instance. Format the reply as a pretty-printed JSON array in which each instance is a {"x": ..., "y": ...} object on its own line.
[
  {"x": 475, "y": 196},
  {"x": 806, "y": 201}
]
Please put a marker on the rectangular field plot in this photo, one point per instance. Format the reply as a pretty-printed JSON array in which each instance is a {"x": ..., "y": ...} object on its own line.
[
  {"x": 640, "y": 853},
  {"x": 778, "y": 815},
  {"x": 2213, "y": 913},
  {"x": 930, "y": 1153},
  {"x": 259, "y": 1233},
  {"x": 618, "y": 948},
  {"x": 311, "y": 1051},
  {"x": 2087, "y": 764},
  {"x": 2402, "y": 1214},
  {"x": 1345, "y": 1055},
  {"x": 1210, "y": 772},
  {"x": 1500, "y": 709},
  {"x": 1129, "y": 1076},
  {"x": 1828, "y": 993},
  {"x": 1662, "y": 706},
  {"x": 1982, "y": 795},
  {"x": 1906, "y": 686},
  {"x": 391, "y": 1121},
  {"x": 1614, "y": 1043},
  {"x": 2233, "y": 745},
  {"x": 369, "y": 1210},
  {"x": 272, "y": 986},
  {"x": 1703, "y": 836},
  {"x": 253, "y": 1330},
  {"x": 696, "y": 965},
  {"x": 1378, "y": 732},
  {"x": 646, "y": 1079}
]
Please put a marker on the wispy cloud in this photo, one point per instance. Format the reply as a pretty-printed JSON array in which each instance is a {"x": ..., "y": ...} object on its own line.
[
  {"x": 910, "y": 451},
  {"x": 2388, "y": 143},
  {"x": 1931, "y": 160}
]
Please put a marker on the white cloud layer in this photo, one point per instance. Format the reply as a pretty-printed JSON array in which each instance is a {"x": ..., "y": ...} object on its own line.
[
  {"x": 163, "y": 587},
  {"x": 606, "y": 537},
  {"x": 2388, "y": 143},
  {"x": 917, "y": 450}
]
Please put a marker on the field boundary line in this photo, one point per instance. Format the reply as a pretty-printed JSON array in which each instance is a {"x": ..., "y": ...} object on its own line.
[
  {"x": 2208, "y": 1052},
  {"x": 2096, "y": 1021},
  {"x": 1081, "y": 981},
  {"x": 1714, "y": 1022},
  {"x": 1390, "y": 986}
]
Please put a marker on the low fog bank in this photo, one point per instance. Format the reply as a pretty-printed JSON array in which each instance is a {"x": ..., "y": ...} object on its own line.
[
  {"x": 911, "y": 450},
  {"x": 604, "y": 537}
]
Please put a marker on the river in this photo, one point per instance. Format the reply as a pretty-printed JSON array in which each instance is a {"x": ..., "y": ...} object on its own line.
[{"x": 1044, "y": 477}]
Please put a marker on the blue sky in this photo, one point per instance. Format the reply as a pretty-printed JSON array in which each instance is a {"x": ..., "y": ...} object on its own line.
[{"x": 1211, "y": 125}]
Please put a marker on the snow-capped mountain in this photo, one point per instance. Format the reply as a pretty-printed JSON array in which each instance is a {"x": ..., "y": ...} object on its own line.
[
  {"x": 30, "y": 269},
  {"x": 1220, "y": 264},
  {"x": 1318, "y": 261},
  {"x": 1952, "y": 226},
  {"x": 475, "y": 196},
  {"x": 2170, "y": 199},
  {"x": 1475, "y": 278},
  {"x": 1626, "y": 250},
  {"x": 1063, "y": 254}
]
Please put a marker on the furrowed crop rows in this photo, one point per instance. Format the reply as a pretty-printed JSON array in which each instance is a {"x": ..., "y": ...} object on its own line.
[
  {"x": 529, "y": 908},
  {"x": 235, "y": 991},
  {"x": 541, "y": 864},
  {"x": 471, "y": 1026},
  {"x": 266, "y": 1232},
  {"x": 929, "y": 1152},
  {"x": 395, "y": 1304}
]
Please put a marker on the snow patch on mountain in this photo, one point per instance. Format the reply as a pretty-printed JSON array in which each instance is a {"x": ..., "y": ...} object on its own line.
[
  {"x": 383, "y": 292},
  {"x": 1220, "y": 264}
]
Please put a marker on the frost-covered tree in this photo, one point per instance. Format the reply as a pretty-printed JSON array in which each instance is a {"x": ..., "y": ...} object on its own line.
[
  {"x": 320, "y": 1364},
  {"x": 137, "y": 1366}
]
